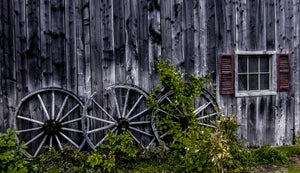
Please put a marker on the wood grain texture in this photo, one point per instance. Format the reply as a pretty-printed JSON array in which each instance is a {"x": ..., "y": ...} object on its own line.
[{"x": 85, "y": 46}]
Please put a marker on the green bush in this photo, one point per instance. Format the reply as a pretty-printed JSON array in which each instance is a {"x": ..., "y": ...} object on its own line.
[
  {"x": 270, "y": 156},
  {"x": 11, "y": 154}
]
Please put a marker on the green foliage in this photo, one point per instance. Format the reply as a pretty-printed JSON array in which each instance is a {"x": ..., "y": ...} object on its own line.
[
  {"x": 11, "y": 154},
  {"x": 270, "y": 156},
  {"x": 120, "y": 149},
  {"x": 67, "y": 160}
]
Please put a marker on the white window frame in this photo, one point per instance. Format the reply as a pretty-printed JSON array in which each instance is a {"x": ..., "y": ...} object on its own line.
[{"x": 273, "y": 78}]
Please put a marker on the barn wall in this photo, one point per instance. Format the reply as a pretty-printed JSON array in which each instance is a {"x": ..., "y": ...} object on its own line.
[{"x": 84, "y": 46}]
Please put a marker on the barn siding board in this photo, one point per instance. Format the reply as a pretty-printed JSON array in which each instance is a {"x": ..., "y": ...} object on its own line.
[
  {"x": 95, "y": 23},
  {"x": 57, "y": 43},
  {"x": 20, "y": 49},
  {"x": 143, "y": 66},
  {"x": 166, "y": 31},
  {"x": 70, "y": 46},
  {"x": 84, "y": 46},
  {"x": 132, "y": 45},
  {"x": 45, "y": 41},
  {"x": 119, "y": 40},
  {"x": 188, "y": 37},
  {"x": 107, "y": 46},
  {"x": 154, "y": 39}
]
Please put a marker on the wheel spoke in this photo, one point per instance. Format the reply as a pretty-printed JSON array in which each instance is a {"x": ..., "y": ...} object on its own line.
[
  {"x": 125, "y": 104},
  {"x": 139, "y": 122},
  {"x": 53, "y": 105},
  {"x": 71, "y": 121},
  {"x": 68, "y": 113},
  {"x": 100, "y": 129},
  {"x": 201, "y": 108},
  {"x": 29, "y": 130},
  {"x": 207, "y": 125},
  {"x": 133, "y": 107},
  {"x": 40, "y": 146},
  {"x": 33, "y": 139},
  {"x": 163, "y": 135},
  {"x": 116, "y": 101},
  {"x": 50, "y": 141},
  {"x": 139, "y": 142},
  {"x": 103, "y": 139},
  {"x": 68, "y": 139},
  {"x": 62, "y": 107},
  {"x": 31, "y": 120},
  {"x": 100, "y": 119},
  {"x": 58, "y": 142},
  {"x": 104, "y": 110},
  {"x": 71, "y": 130},
  {"x": 207, "y": 116},
  {"x": 43, "y": 106},
  {"x": 138, "y": 130},
  {"x": 139, "y": 114}
]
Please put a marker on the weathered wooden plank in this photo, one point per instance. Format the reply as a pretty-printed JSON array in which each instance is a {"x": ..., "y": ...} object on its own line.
[
  {"x": 87, "y": 49},
  {"x": 20, "y": 50},
  {"x": 70, "y": 42},
  {"x": 83, "y": 49},
  {"x": 119, "y": 40},
  {"x": 131, "y": 39},
  {"x": 45, "y": 41},
  {"x": 8, "y": 69},
  {"x": 188, "y": 36},
  {"x": 241, "y": 26},
  {"x": 154, "y": 42},
  {"x": 280, "y": 118},
  {"x": 166, "y": 31},
  {"x": 177, "y": 34},
  {"x": 107, "y": 43},
  {"x": 96, "y": 44},
  {"x": 251, "y": 106},
  {"x": 57, "y": 43},
  {"x": 242, "y": 118},
  {"x": 143, "y": 53},
  {"x": 270, "y": 25},
  {"x": 2, "y": 109},
  {"x": 211, "y": 42}
]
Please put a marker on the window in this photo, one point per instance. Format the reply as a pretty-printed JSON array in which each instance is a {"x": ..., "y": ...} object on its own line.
[{"x": 254, "y": 72}]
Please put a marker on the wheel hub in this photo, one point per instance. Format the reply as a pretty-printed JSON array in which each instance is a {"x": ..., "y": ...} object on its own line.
[
  {"x": 123, "y": 125},
  {"x": 52, "y": 127}
]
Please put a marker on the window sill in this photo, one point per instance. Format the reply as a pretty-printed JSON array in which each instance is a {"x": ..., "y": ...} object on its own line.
[{"x": 254, "y": 93}]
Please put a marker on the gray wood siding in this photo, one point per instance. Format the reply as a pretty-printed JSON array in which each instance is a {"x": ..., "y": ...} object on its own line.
[{"x": 84, "y": 46}]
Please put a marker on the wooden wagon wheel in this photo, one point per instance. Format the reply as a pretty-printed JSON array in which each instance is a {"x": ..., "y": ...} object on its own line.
[
  {"x": 121, "y": 108},
  {"x": 206, "y": 112},
  {"x": 49, "y": 117}
]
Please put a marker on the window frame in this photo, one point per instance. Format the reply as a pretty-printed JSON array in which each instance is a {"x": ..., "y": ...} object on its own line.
[{"x": 273, "y": 79}]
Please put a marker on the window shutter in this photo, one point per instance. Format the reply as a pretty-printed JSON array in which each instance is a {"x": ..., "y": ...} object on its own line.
[
  {"x": 283, "y": 72},
  {"x": 226, "y": 78}
]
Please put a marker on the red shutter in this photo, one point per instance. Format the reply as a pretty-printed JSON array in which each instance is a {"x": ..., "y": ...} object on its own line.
[
  {"x": 226, "y": 66},
  {"x": 283, "y": 72}
]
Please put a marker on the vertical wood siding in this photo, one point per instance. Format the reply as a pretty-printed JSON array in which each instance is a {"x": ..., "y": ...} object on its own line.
[{"x": 85, "y": 45}]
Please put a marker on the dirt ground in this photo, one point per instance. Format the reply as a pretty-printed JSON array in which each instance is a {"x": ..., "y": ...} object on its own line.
[{"x": 294, "y": 164}]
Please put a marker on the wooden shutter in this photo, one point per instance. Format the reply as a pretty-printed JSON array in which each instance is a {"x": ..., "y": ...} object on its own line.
[
  {"x": 226, "y": 78},
  {"x": 283, "y": 72}
]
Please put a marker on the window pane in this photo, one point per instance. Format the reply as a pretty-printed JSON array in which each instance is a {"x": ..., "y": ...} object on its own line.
[
  {"x": 264, "y": 82},
  {"x": 242, "y": 64},
  {"x": 264, "y": 64},
  {"x": 253, "y": 64},
  {"x": 242, "y": 82},
  {"x": 253, "y": 82}
]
